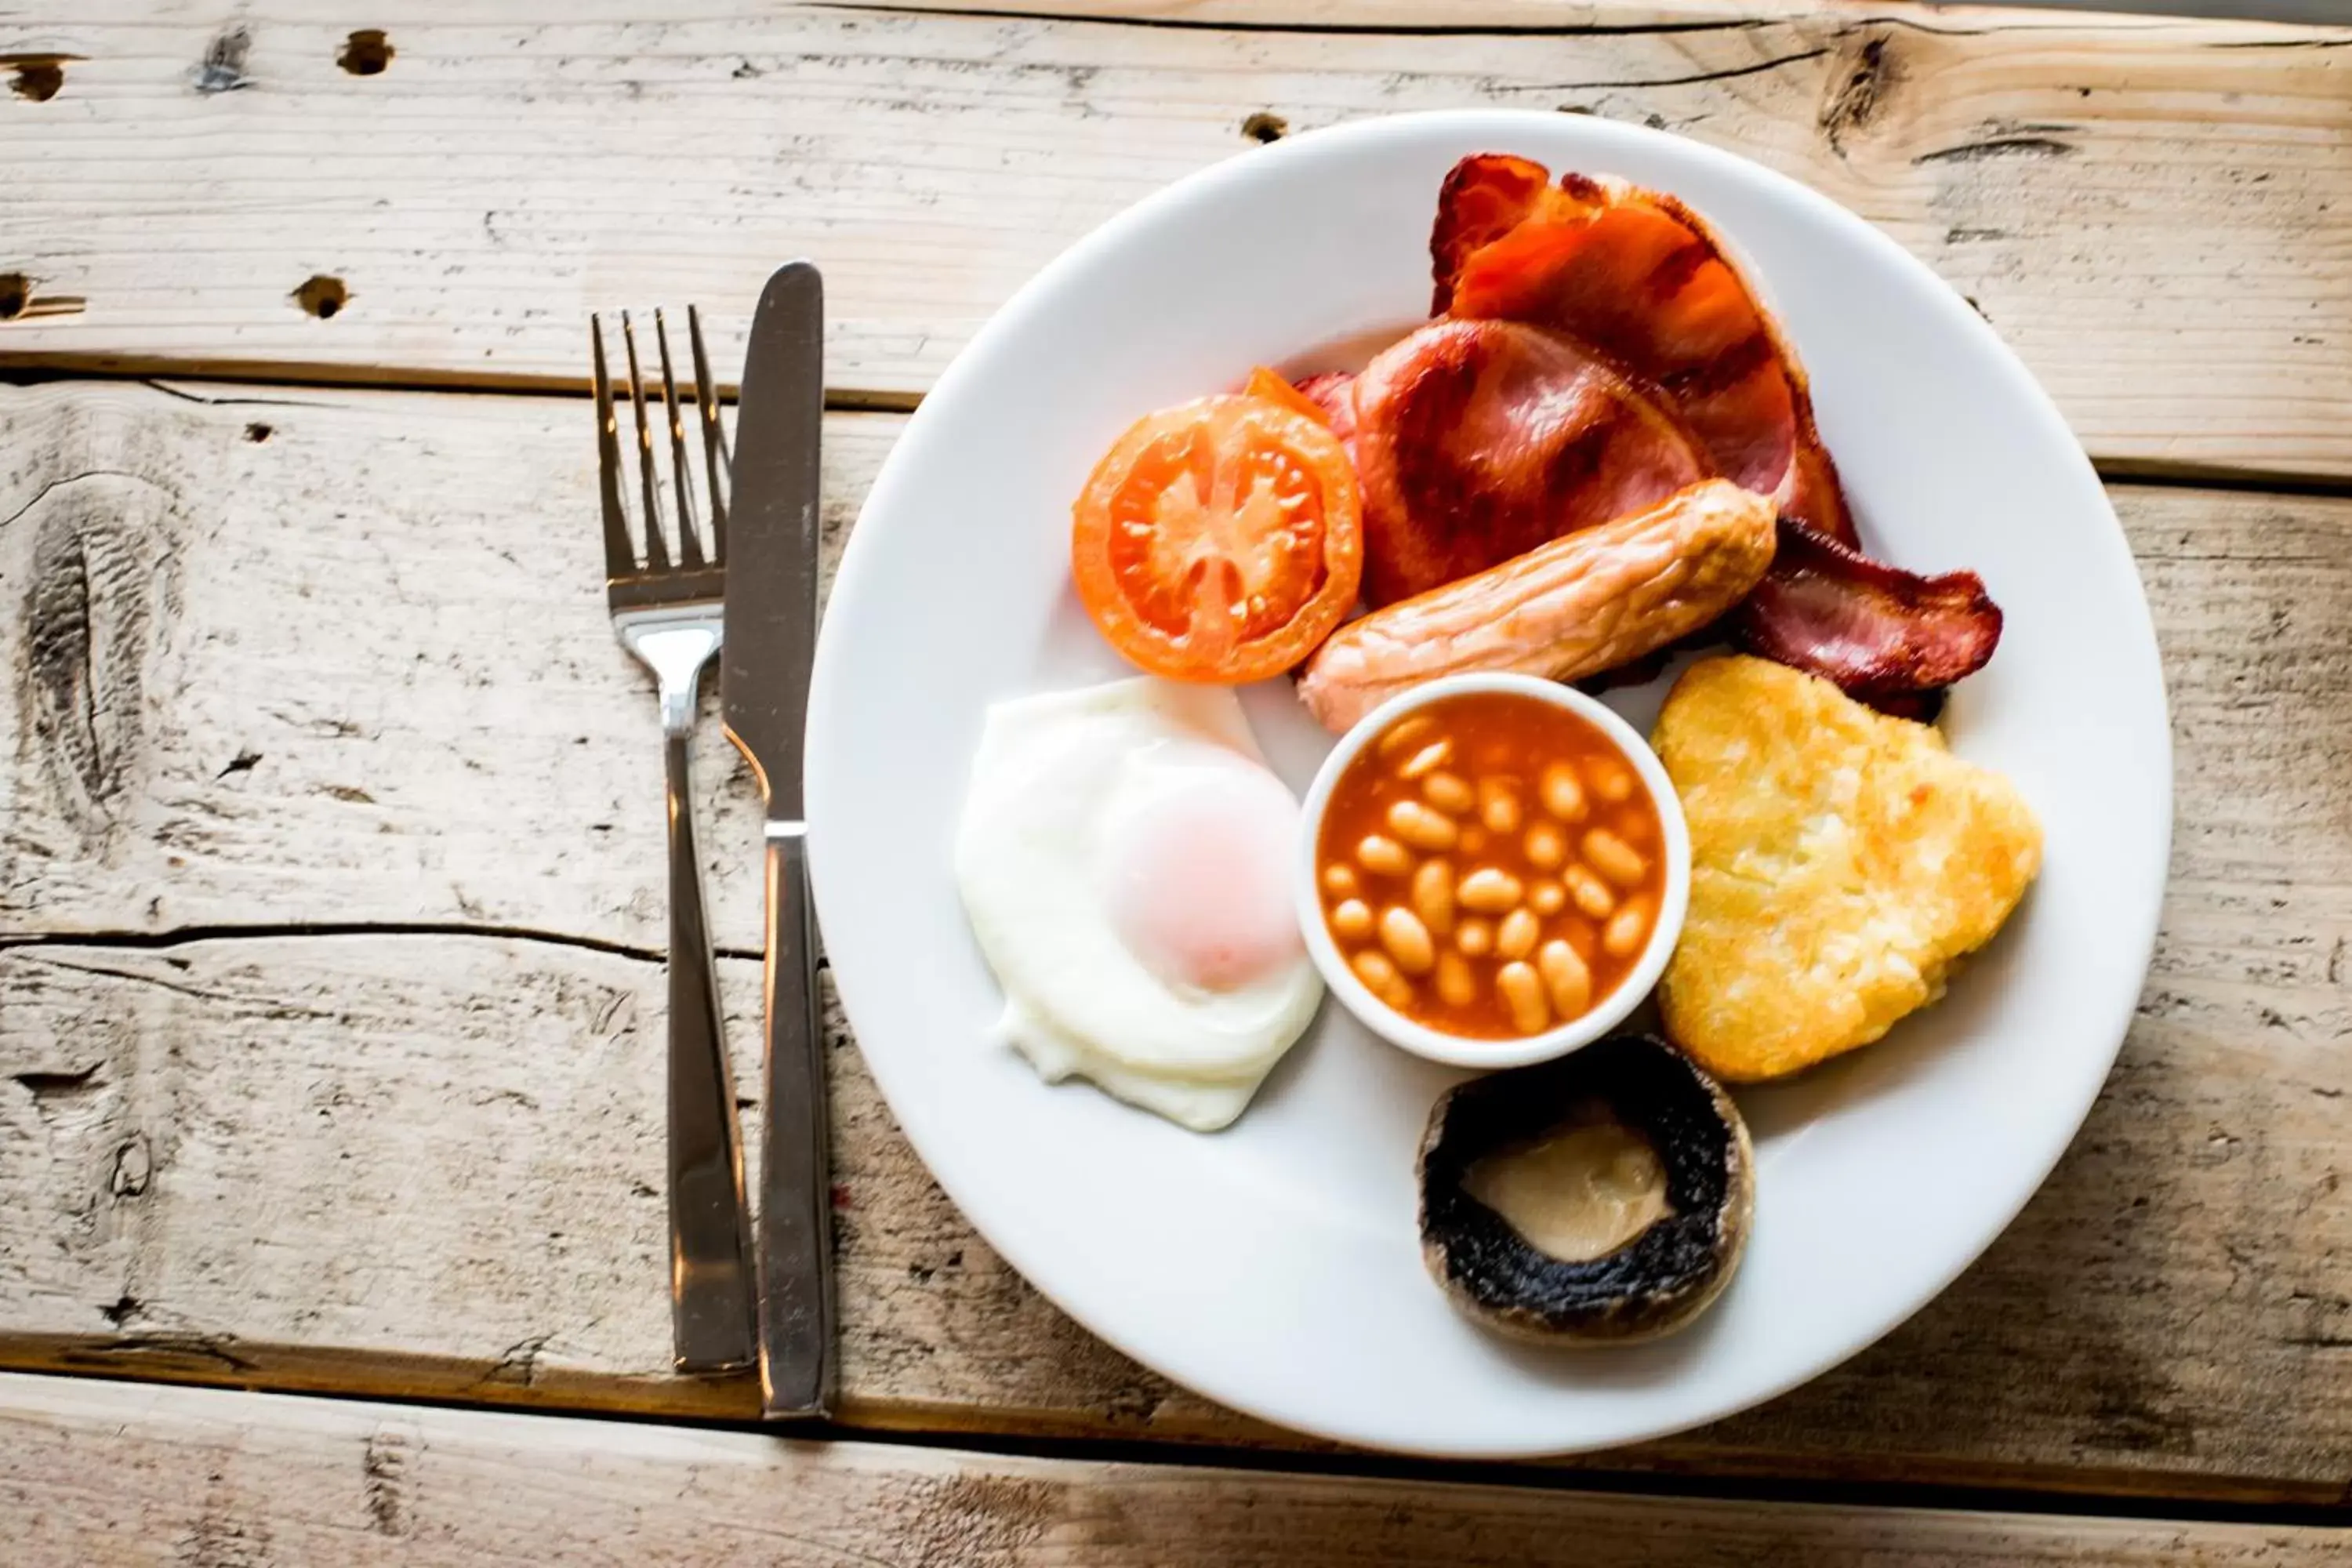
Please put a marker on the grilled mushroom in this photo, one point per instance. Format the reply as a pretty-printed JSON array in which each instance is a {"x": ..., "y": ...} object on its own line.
[{"x": 1599, "y": 1199}]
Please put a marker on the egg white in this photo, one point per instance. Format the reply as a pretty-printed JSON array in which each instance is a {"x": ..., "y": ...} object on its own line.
[{"x": 1050, "y": 771}]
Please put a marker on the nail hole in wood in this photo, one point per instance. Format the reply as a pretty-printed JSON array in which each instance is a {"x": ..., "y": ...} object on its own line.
[
  {"x": 1264, "y": 127},
  {"x": 365, "y": 53},
  {"x": 18, "y": 300},
  {"x": 258, "y": 432},
  {"x": 322, "y": 296},
  {"x": 36, "y": 77}
]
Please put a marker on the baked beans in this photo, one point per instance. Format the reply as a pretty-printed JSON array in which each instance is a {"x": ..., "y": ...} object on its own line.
[{"x": 1490, "y": 866}]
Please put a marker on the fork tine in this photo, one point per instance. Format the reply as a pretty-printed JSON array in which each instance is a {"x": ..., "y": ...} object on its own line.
[
  {"x": 706, "y": 402},
  {"x": 656, "y": 551},
  {"x": 689, "y": 541},
  {"x": 620, "y": 556}
]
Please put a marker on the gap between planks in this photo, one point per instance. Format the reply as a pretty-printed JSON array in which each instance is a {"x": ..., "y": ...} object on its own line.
[
  {"x": 185, "y": 936},
  {"x": 19, "y": 368},
  {"x": 161, "y": 374}
]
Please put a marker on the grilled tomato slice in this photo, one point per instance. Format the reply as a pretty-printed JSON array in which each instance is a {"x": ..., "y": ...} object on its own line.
[
  {"x": 1276, "y": 387},
  {"x": 1219, "y": 540}
]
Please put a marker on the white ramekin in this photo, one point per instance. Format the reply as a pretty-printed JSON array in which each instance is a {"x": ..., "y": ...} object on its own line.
[{"x": 1459, "y": 1050}]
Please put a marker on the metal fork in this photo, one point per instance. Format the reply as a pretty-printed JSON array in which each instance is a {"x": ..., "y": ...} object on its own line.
[{"x": 666, "y": 611}]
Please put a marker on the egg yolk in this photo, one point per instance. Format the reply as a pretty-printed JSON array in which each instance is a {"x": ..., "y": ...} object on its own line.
[{"x": 1195, "y": 876}]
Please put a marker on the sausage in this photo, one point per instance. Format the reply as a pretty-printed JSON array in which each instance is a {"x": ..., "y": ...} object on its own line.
[{"x": 1574, "y": 607}]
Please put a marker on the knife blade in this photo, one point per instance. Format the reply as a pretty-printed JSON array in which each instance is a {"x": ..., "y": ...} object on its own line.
[{"x": 772, "y": 536}]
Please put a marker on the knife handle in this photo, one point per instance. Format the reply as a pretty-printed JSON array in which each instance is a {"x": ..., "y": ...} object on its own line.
[{"x": 796, "y": 1318}]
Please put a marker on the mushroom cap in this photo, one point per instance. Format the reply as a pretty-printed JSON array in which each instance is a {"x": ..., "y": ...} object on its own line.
[{"x": 1655, "y": 1283}]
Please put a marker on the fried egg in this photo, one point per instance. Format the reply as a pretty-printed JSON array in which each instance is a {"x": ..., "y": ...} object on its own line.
[{"x": 1124, "y": 856}]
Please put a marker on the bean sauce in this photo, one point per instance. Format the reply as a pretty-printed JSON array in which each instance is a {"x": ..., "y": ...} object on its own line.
[{"x": 1491, "y": 865}]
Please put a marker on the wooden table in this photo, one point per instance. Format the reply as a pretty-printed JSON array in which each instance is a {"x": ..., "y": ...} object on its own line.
[{"x": 330, "y": 858}]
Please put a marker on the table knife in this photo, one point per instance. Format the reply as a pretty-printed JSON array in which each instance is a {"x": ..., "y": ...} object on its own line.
[{"x": 771, "y": 587}]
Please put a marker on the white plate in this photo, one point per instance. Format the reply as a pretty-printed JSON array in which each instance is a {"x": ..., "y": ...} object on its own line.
[{"x": 1274, "y": 1266}]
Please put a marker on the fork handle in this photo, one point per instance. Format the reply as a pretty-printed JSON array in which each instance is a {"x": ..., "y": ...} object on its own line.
[
  {"x": 796, "y": 1311},
  {"x": 711, "y": 1303}
]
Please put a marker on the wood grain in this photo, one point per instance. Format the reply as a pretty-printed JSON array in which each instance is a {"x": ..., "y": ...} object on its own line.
[
  {"x": 96, "y": 1477},
  {"x": 2154, "y": 213},
  {"x": 432, "y": 567},
  {"x": 329, "y": 872}
]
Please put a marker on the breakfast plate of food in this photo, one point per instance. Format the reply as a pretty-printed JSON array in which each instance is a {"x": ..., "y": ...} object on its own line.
[{"x": 1488, "y": 784}]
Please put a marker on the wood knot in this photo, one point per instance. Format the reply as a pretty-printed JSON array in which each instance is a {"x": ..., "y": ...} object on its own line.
[
  {"x": 365, "y": 53},
  {"x": 222, "y": 69},
  {"x": 322, "y": 296},
  {"x": 1857, "y": 88},
  {"x": 134, "y": 1165},
  {"x": 99, "y": 539},
  {"x": 383, "y": 1473},
  {"x": 1263, "y": 126}
]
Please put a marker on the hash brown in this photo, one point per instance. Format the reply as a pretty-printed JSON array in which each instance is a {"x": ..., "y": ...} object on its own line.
[{"x": 1841, "y": 862}]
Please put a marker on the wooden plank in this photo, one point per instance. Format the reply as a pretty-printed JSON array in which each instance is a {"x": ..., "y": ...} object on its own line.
[
  {"x": 340, "y": 1068},
  {"x": 187, "y": 743},
  {"x": 2153, "y": 212},
  {"x": 97, "y": 1475}
]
